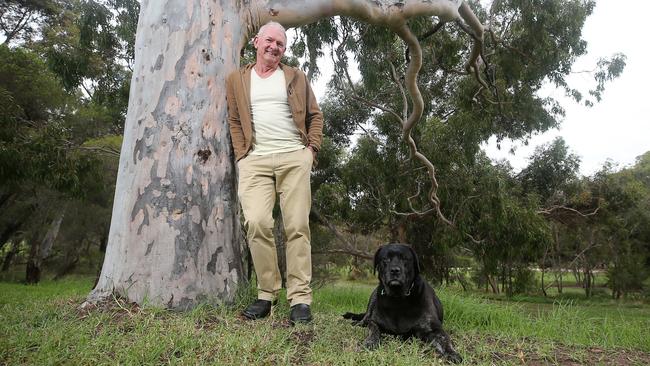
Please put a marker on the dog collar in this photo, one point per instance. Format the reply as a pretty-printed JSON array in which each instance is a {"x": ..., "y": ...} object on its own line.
[{"x": 408, "y": 293}]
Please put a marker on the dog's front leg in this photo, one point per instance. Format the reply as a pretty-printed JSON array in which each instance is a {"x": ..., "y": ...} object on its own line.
[
  {"x": 372, "y": 304},
  {"x": 440, "y": 341},
  {"x": 374, "y": 335}
]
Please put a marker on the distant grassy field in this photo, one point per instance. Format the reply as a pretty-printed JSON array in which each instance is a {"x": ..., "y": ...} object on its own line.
[{"x": 41, "y": 325}]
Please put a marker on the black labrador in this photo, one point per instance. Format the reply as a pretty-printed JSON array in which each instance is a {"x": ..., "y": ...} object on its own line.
[{"x": 403, "y": 304}]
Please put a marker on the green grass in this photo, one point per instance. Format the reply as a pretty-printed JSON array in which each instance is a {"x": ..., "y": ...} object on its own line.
[{"x": 42, "y": 325}]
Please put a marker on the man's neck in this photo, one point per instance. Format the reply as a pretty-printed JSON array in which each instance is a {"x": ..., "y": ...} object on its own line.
[{"x": 265, "y": 71}]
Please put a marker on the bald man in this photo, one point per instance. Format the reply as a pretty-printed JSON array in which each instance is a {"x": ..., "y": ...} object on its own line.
[{"x": 276, "y": 130}]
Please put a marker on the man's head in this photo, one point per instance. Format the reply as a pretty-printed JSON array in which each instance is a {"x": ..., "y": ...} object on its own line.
[{"x": 270, "y": 42}]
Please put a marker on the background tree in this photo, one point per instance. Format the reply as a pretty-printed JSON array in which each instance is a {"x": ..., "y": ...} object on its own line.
[
  {"x": 623, "y": 225},
  {"x": 53, "y": 138}
]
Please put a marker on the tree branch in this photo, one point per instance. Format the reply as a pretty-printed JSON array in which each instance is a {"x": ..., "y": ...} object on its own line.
[
  {"x": 348, "y": 247},
  {"x": 353, "y": 253},
  {"x": 549, "y": 211},
  {"x": 405, "y": 103},
  {"x": 417, "y": 109},
  {"x": 300, "y": 12},
  {"x": 431, "y": 31},
  {"x": 20, "y": 25},
  {"x": 105, "y": 150}
]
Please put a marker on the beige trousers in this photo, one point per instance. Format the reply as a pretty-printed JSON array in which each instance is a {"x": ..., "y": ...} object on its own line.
[{"x": 260, "y": 178}]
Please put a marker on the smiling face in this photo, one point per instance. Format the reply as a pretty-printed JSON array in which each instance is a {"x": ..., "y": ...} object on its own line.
[{"x": 270, "y": 44}]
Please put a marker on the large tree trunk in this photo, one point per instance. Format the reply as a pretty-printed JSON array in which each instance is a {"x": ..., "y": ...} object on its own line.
[
  {"x": 175, "y": 238},
  {"x": 40, "y": 250}
]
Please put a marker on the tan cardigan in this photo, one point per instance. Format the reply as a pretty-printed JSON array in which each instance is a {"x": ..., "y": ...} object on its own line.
[{"x": 302, "y": 103}]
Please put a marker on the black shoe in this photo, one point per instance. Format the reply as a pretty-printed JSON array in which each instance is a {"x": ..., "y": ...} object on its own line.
[
  {"x": 258, "y": 310},
  {"x": 300, "y": 313}
]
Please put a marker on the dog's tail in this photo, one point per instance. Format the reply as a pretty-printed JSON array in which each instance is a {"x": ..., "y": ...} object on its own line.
[{"x": 353, "y": 316}]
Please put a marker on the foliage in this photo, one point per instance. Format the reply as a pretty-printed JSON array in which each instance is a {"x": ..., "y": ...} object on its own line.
[
  {"x": 551, "y": 169},
  {"x": 624, "y": 225},
  {"x": 67, "y": 84},
  {"x": 92, "y": 47},
  {"x": 21, "y": 20},
  {"x": 34, "y": 139}
]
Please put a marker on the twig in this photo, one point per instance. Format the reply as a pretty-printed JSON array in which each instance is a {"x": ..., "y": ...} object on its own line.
[
  {"x": 349, "y": 249},
  {"x": 117, "y": 301},
  {"x": 549, "y": 211}
]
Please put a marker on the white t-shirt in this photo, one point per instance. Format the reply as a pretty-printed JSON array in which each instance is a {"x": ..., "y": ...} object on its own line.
[{"x": 275, "y": 131}]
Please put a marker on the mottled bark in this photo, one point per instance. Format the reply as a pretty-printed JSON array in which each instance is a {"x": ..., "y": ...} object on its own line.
[{"x": 175, "y": 238}]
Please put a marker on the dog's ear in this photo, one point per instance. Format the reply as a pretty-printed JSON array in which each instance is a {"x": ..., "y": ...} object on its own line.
[
  {"x": 416, "y": 262},
  {"x": 376, "y": 261}
]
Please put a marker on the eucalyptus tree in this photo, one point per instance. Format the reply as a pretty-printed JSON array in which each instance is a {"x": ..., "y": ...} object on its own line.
[
  {"x": 569, "y": 204},
  {"x": 90, "y": 47},
  {"x": 551, "y": 169},
  {"x": 64, "y": 82},
  {"x": 175, "y": 237}
]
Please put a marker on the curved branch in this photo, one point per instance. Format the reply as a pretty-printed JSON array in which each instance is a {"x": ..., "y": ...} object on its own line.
[
  {"x": 300, "y": 12},
  {"x": 348, "y": 247},
  {"x": 475, "y": 25},
  {"x": 431, "y": 31},
  {"x": 415, "y": 63},
  {"x": 405, "y": 103},
  {"x": 550, "y": 210},
  {"x": 417, "y": 108}
]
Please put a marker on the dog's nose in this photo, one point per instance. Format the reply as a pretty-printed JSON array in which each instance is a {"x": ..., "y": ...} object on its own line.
[{"x": 395, "y": 270}]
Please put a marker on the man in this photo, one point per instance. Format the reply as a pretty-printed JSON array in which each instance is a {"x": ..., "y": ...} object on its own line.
[{"x": 276, "y": 130}]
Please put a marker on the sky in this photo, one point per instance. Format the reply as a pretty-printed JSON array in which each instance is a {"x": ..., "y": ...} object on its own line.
[{"x": 617, "y": 128}]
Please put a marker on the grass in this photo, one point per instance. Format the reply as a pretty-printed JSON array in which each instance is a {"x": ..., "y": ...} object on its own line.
[{"x": 42, "y": 325}]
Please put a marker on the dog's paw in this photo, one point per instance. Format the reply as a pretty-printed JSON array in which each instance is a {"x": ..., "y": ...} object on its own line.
[
  {"x": 454, "y": 357},
  {"x": 370, "y": 343}
]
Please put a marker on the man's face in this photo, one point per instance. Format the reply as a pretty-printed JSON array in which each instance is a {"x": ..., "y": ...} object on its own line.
[{"x": 270, "y": 46}]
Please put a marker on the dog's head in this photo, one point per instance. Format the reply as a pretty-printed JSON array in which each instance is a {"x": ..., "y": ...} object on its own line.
[{"x": 398, "y": 267}]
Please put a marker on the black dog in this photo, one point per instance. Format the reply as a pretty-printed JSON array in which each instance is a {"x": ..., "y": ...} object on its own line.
[{"x": 403, "y": 304}]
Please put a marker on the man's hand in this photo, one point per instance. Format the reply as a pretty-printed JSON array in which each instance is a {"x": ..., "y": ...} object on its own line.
[{"x": 313, "y": 152}]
